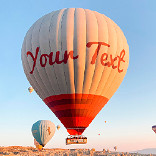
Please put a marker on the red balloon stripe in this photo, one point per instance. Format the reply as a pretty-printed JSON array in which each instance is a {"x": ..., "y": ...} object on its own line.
[{"x": 76, "y": 111}]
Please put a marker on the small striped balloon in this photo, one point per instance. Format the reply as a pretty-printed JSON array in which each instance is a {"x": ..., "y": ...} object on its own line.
[{"x": 154, "y": 128}]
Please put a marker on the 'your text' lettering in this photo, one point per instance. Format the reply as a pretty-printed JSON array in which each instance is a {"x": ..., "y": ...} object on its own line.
[{"x": 44, "y": 58}]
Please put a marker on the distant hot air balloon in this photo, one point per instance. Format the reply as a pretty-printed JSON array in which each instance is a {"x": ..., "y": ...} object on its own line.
[
  {"x": 154, "y": 128},
  {"x": 93, "y": 149},
  {"x": 58, "y": 127},
  {"x": 43, "y": 131},
  {"x": 38, "y": 146},
  {"x": 75, "y": 59},
  {"x": 104, "y": 150},
  {"x": 108, "y": 151},
  {"x": 30, "y": 89},
  {"x": 115, "y": 147},
  {"x": 105, "y": 121}
]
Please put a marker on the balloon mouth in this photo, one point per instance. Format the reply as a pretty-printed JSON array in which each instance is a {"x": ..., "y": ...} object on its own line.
[{"x": 76, "y": 131}]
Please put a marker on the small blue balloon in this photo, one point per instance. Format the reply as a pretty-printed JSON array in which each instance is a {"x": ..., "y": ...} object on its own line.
[{"x": 43, "y": 131}]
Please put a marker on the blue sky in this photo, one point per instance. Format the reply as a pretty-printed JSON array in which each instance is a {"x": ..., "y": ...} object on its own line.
[{"x": 130, "y": 113}]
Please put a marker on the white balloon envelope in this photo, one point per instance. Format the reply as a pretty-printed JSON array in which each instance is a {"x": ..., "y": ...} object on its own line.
[{"x": 75, "y": 59}]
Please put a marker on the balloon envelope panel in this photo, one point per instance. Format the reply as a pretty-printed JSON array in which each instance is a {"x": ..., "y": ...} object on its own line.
[
  {"x": 43, "y": 131},
  {"x": 75, "y": 59}
]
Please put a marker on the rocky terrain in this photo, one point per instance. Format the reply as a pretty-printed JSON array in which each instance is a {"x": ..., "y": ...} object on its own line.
[{"x": 31, "y": 151}]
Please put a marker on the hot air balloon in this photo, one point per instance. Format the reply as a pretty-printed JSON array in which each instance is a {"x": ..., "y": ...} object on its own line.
[
  {"x": 154, "y": 128},
  {"x": 115, "y": 147},
  {"x": 75, "y": 59},
  {"x": 93, "y": 149},
  {"x": 108, "y": 151},
  {"x": 43, "y": 131},
  {"x": 38, "y": 146},
  {"x": 104, "y": 151},
  {"x": 105, "y": 121},
  {"x": 58, "y": 127},
  {"x": 30, "y": 89}
]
